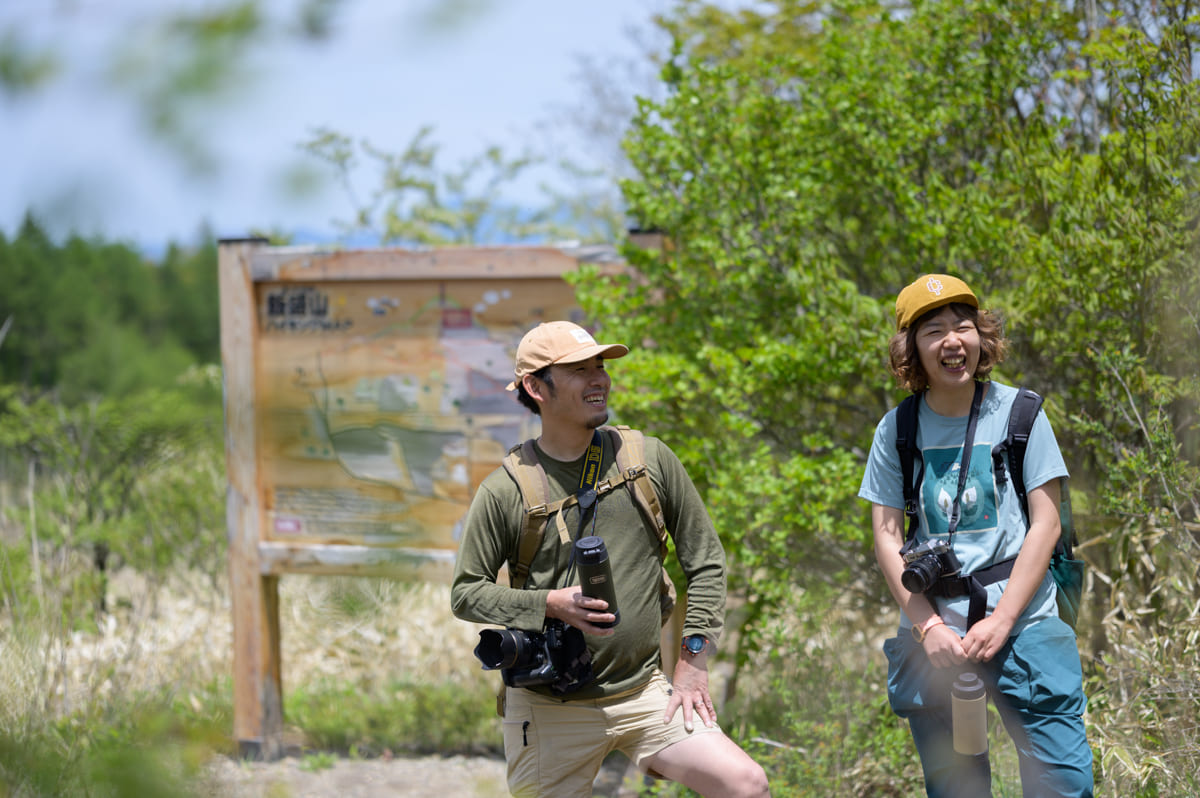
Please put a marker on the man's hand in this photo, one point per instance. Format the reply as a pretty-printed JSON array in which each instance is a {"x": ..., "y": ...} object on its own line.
[
  {"x": 690, "y": 691},
  {"x": 569, "y": 605}
]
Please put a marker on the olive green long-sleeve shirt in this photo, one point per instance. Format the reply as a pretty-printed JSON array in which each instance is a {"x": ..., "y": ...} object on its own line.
[{"x": 492, "y": 531}]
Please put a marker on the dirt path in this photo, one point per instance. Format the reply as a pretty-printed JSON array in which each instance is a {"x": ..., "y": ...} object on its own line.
[{"x": 401, "y": 777}]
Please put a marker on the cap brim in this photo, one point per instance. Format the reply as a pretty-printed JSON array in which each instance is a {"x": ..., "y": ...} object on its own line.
[
  {"x": 961, "y": 298},
  {"x": 606, "y": 351}
]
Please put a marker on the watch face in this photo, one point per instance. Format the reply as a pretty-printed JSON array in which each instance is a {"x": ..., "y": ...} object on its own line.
[{"x": 695, "y": 643}]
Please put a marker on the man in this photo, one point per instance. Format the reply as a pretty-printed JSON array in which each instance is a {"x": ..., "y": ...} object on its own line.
[{"x": 555, "y": 743}]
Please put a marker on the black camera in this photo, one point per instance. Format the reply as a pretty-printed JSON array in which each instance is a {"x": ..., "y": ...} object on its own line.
[
  {"x": 926, "y": 563},
  {"x": 595, "y": 575},
  {"x": 556, "y": 656}
]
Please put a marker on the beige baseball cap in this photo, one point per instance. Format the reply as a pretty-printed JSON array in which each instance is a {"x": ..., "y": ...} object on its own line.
[
  {"x": 930, "y": 291},
  {"x": 559, "y": 342}
]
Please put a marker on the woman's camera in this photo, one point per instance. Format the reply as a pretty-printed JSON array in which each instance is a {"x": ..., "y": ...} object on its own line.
[
  {"x": 556, "y": 656},
  {"x": 926, "y": 563}
]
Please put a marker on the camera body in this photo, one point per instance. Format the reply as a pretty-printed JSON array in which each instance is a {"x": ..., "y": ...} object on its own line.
[
  {"x": 926, "y": 563},
  {"x": 557, "y": 656}
]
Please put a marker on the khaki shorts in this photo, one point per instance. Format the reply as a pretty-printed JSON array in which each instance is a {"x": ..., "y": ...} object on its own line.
[{"x": 554, "y": 748}]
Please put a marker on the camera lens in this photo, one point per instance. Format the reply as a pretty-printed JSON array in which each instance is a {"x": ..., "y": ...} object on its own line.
[
  {"x": 503, "y": 648},
  {"x": 920, "y": 575}
]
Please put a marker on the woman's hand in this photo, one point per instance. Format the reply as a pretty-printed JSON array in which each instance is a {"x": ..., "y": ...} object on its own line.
[
  {"x": 944, "y": 647},
  {"x": 987, "y": 637}
]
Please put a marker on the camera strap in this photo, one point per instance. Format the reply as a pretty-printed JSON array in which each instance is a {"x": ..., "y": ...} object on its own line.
[
  {"x": 972, "y": 585},
  {"x": 586, "y": 496},
  {"x": 977, "y": 605},
  {"x": 965, "y": 465}
]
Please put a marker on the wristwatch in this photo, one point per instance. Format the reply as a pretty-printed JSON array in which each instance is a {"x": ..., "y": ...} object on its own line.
[
  {"x": 919, "y": 631},
  {"x": 694, "y": 644}
]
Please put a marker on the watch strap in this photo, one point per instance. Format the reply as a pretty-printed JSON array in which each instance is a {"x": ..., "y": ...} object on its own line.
[{"x": 920, "y": 630}]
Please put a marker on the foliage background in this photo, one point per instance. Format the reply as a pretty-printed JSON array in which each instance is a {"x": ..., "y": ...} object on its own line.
[
  {"x": 802, "y": 162},
  {"x": 1040, "y": 151}
]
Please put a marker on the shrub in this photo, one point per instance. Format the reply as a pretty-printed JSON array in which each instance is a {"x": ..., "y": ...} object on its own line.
[{"x": 402, "y": 716}]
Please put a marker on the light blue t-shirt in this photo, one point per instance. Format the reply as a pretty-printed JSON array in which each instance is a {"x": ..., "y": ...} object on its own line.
[{"x": 991, "y": 526}]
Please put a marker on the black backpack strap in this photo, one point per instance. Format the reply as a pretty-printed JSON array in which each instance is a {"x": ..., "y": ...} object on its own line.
[
  {"x": 1024, "y": 413},
  {"x": 1020, "y": 424},
  {"x": 906, "y": 446}
]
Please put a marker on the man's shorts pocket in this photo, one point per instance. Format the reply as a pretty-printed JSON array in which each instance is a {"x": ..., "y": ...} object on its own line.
[{"x": 520, "y": 749}]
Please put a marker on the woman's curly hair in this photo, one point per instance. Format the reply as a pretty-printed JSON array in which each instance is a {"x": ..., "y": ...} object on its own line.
[{"x": 905, "y": 362}]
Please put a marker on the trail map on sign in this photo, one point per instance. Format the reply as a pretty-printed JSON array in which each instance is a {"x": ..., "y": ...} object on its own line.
[{"x": 382, "y": 404}]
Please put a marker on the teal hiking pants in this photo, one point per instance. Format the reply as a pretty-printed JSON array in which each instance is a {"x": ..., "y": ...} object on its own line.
[{"x": 1035, "y": 682}]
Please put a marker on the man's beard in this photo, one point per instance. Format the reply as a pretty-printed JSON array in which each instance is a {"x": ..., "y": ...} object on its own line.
[{"x": 598, "y": 421}]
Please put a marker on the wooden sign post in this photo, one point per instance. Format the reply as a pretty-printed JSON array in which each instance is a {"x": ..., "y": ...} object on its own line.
[{"x": 364, "y": 403}]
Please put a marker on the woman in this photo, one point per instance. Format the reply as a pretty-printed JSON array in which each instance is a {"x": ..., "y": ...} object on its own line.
[{"x": 944, "y": 349}]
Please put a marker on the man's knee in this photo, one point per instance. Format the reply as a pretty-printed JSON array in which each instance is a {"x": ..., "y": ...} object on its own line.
[
  {"x": 712, "y": 765},
  {"x": 752, "y": 781},
  {"x": 742, "y": 777}
]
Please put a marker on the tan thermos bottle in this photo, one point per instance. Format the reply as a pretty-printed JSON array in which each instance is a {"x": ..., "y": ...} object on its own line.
[{"x": 968, "y": 703}]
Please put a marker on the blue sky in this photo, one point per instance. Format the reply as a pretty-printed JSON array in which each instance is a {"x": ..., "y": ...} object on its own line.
[{"x": 506, "y": 73}]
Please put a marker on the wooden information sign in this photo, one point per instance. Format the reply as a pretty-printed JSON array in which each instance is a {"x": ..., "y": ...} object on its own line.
[{"x": 364, "y": 403}]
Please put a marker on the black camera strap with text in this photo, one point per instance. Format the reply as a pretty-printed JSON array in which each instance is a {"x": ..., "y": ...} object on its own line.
[{"x": 586, "y": 495}]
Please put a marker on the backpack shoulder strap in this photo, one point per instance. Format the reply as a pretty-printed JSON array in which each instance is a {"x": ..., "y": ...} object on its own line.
[
  {"x": 523, "y": 466},
  {"x": 630, "y": 447},
  {"x": 526, "y": 470},
  {"x": 1020, "y": 424},
  {"x": 906, "y": 447}
]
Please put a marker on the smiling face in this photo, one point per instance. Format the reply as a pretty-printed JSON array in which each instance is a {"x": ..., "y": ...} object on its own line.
[
  {"x": 579, "y": 396},
  {"x": 948, "y": 346}
]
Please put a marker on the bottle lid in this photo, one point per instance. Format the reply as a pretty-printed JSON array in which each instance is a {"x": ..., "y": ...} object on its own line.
[
  {"x": 591, "y": 550},
  {"x": 968, "y": 685}
]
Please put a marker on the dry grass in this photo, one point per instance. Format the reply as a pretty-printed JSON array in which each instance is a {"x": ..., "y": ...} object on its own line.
[
  {"x": 176, "y": 638},
  {"x": 375, "y": 630},
  {"x": 163, "y": 639}
]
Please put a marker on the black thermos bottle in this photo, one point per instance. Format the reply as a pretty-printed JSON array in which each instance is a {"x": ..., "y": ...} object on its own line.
[{"x": 595, "y": 574}]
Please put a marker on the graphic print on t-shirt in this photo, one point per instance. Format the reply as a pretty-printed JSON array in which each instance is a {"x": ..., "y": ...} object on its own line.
[{"x": 977, "y": 508}]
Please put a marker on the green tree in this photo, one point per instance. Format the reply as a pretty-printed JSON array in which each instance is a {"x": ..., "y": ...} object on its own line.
[
  {"x": 1042, "y": 151},
  {"x": 119, "y": 481},
  {"x": 190, "y": 298},
  {"x": 89, "y": 317}
]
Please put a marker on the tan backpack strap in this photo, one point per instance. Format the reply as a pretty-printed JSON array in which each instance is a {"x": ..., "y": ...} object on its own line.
[
  {"x": 631, "y": 455},
  {"x": 631, "y": 462},
  {"x": 523, "y": 466}
]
